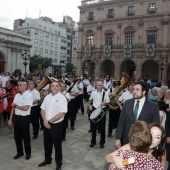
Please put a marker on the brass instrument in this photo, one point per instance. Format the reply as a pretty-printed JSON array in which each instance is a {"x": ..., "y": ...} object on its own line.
[{"x": 118, "y": 90}]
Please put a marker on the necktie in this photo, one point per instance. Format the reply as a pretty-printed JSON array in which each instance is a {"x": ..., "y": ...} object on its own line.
[{"x": 136, "y": 109}]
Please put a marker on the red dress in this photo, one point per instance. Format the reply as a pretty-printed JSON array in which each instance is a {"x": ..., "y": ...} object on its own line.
[
  {"x": 1, "y": 102},
  {"x": 142, "y": 161},
  {"x": 10, "y": 101}
]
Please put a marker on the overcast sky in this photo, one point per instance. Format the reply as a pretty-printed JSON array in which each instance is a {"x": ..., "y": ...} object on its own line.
[{"x": 55, "y": 9}]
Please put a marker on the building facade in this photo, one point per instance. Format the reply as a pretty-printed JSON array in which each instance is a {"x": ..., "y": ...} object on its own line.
[
  {"x": 12, "y": 45},
  {"x": 48, "y": 39},
  {"x": 131, "y": 36}
]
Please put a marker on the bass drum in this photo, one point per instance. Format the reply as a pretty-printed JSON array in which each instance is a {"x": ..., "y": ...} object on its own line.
[{"x": 97, "y": 115}]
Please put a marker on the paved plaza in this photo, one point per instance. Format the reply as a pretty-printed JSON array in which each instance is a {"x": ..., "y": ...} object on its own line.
[{"x": 77, "y": 155}]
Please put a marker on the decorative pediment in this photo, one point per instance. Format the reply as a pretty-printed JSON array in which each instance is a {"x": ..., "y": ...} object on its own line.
[
  {"x": 89, "y": 32},
  {"x": 109, "y": 31},
  {"x": 152, "y": 28},
  {"x": 129, "y": 29}
]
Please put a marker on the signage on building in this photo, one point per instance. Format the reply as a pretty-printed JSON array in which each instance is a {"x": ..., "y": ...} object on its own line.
[
  {"x": 88, "y": 51},
  {"x": 107, "y": 50},
  {"x": 128, "y": 51},
  {"x": 150, "y": 50}
]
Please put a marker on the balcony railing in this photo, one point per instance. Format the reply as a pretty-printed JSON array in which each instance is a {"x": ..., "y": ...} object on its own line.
[
  {"x": 90, "y": 18},
  {"x": 130, "y": 13},
  {"x": 92, "y": 47},
  {"x": 108, "y": 16},
  {"x": 152, "y": 11}
]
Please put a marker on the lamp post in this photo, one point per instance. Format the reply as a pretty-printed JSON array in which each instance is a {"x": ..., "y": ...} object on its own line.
[
  {"x": 25, "y": 56},
  {"x": 162, "y": 63}
]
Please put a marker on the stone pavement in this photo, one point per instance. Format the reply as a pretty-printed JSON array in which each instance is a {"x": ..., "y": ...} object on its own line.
[{"x": 77, "y": 155}]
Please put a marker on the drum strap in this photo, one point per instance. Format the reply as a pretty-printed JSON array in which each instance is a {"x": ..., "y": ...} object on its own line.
[{"x": 103, "y": 96}]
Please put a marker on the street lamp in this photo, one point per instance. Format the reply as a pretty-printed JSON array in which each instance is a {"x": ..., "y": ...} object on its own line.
[
  {"x": 162, "y": 63},
  {"x": 25, "y": 56}
]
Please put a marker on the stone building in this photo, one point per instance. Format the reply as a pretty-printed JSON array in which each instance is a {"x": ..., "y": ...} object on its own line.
[
  {"x": 12, "y": 45},
  {"x": 131, "y": 36}
]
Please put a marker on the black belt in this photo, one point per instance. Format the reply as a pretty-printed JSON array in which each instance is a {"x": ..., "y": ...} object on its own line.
[{"x": 20, "y": 116}]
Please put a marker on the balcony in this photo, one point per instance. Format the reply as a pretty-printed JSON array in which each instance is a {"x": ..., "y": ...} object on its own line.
[
  {"x": 110, "y": 16},
  {"x": 90, "y": 18},
  {"x": 152, "y": 10},
  {"x": 92, "y": 48},
  {"x": 132, "y": 13}
]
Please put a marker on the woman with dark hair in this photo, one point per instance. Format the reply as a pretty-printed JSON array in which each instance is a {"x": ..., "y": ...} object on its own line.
[{"x": 143, "y": 146}]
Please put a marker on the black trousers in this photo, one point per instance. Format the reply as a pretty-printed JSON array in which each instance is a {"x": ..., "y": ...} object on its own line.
[
  {"x": 72, "y": 110},
  {"x": 22, "y": 132},
  {"x": 113, "y": 119},
  {"x": 65, "y": 125},
  {"x": 80, "y": 102},
  {"x": 101, "y": 125},
  {"x": 6, "y": 116},
  {"x": 35, "y": 117},
  {"x": 85, "y": 93},
  {"x": 52, "y": 137}
]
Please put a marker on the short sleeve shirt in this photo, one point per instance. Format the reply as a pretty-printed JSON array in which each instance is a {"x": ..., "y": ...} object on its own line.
[
  {"x": 125, "y": 96},
  {"x": 35, "y": 94}
]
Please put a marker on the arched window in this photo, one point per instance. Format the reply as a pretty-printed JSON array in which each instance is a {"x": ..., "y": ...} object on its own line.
[
  {"x": 109, "y": 37},
  {"x": 129, "y": 35},
  {"x": 152, "y": 34},
  {"x": 89, "y": 38}
]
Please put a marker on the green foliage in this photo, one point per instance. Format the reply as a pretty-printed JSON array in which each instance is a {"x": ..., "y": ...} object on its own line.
[
  {"x": 69, "y": 68},
  {"x": 39, "y": 68},
  {"x": 36, "y": 60},
  {"x": 17, "y": 72},
  {"x": 25, "y": 63}
]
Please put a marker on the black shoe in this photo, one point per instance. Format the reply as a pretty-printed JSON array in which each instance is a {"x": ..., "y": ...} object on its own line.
[
  {"x": 82, "y": 113},
  {"x": 17, "y": 156},
  {"x": 109, "y": 135},
  {"x": 27, "y": 157},
  {"x": 90, "y": 131},
  {"x": 35, "y": 136},
  {"x": 58, "y": 168},
  {"x": 99, "y": 131},
  {"x": 44, "y": 163},
  {"x": 102, "y": 145},
  {"x": 92, "y": 144},
  {"x": 72, "y": 128}
]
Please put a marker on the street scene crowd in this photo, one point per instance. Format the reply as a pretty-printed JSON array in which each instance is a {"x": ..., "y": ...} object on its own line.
[{"x": 139, "y": 112}]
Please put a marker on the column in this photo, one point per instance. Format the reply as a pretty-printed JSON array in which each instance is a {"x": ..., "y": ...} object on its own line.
[{"x": 165, "y": 31}]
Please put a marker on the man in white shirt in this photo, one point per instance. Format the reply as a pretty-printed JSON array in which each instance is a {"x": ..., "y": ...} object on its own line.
[
  {"x": 100, "y": 98},
  {"x": 72, "y": 105},
  {"x": 35, "y": 114},
  {"x": 85, "y": 83},
  {"x": 90, "y": 89},
  {"x": 107, "y": 83},
  {"x": 53, "y": 110},
  {"x": 21, "y": 107},
  {"x": 4, "y": 79},
  {"x": 80, "y": 96}
]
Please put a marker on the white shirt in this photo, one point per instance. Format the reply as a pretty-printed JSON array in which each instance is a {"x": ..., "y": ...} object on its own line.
[
  {"x": 86, "y": 82},
  {"x": 73, "y": 90},
  {"x": 66, "y": 95},
  {"x": 106, "y": 84},
  {"x": 24, "y": 99},
  {"x": 35, "y": 94},
  {"x": 141, "y": 103},
  {"x": 162, "y": 114},
  {"x": 53, "y": 105},
  {"x": 80, "y": 85},
  {"x": 97, "y": 98},
  {"x": 47, "y": 87},
  {"x": 4, "y": 80},
  {"x": 108, "y": 91},
  {"x": 125, "y": 96},
  {"x": 90, "y": 89}
]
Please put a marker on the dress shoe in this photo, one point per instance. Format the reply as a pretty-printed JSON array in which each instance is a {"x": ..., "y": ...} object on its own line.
[
  {"x": 109, "y": 135},
  {"x": 92, "y": 144},
  {"x": 58, "y": 168},
  {"x": 102, "y": 145},
  {"x": 44, "y": 163},
  {"x": 17, "y": 156},
  {"x": 35, "y": 136},
  {"x": 27, "y": 157},
  {"x": 90, "y": 131},
  {"x": 72, "y": 128}
]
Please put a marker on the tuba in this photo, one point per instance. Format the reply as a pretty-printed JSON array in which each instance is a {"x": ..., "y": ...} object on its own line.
[{"x": 118, "y": 90}]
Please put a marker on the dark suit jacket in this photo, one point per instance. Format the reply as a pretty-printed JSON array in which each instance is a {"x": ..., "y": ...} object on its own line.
[{"x": 149, "y": 114}]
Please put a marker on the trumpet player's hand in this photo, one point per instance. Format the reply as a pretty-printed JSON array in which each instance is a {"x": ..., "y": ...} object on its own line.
[{"x": 103, "y": 104}]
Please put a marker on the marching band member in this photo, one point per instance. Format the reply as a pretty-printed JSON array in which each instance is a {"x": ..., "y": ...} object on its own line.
[
  {"x": 35, "y": 115},
  {"x": 85, "y": 83},
  {"x": 100, "y": 99},
  {"x": 53, "y": 110},
  {"x": 107, "y": 83}
]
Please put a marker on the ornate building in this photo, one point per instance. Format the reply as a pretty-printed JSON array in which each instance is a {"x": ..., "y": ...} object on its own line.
[{"x": 131, "y": 36}]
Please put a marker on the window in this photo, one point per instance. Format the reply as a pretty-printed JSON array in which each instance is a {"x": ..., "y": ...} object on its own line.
[
  {"x": 152, "y": 8},
  {"x": 36, "y": 41},
  {"x": 109, "y": 39},
  {"x": 56, "y": 38},
  {"x": 42, "y": 34},
  {"x": 55, "y": 52},
  {"x": 56, "y": 46},
  {"x": 68, "y": 30},
  {"x": 52, "y": 37},
  {"x": 35, "y": 49},
  {"x": 89, "y": 40},
  {"x": 68, "y": 37},
  {"x": 55, "y": 60},
  {"x": 131, "y": 11},
  {"x": 75, "y": 41},
  {"x": 51, "y": 44},
  {"x": 129, "y": 38},
  {"x": 110, "y": 13},
  {"x": 63, "y": 48},
  {"x": 41, "y": 42},
  {"x": 91, "y": 16},
  {"x": 46, "y": 43},
  {"x": 68, "y": 44},
  {"x": 75, "y": 48},
  {"x": 51, "y": 52},
  {"x": 36, "y": 32},
  {"x": 151, "y": 39},
  {"x": 41, "y": 50},
  {"x": 47, "y": 35},
  {"x": 68, "y": 51},
  {"x": 46, "y": 51},
  {"x": 39, "y": 26}
]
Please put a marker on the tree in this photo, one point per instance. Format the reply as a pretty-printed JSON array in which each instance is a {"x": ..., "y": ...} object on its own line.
[
  {"x": 69, "y": 68},
  {"x": 36, "y": 60},
  {"x": 17, "y": 72}
]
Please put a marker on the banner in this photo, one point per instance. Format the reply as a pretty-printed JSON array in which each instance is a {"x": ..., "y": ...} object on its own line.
[
  {"x": 128, "y": 51},
  {"x": 107, "y": 50},
  {"x": 150, "y": 50},
  {"x": 88, "y": 51}
]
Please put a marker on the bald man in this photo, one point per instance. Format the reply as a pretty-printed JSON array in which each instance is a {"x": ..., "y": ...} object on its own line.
[{"x": 21, "y": 106}]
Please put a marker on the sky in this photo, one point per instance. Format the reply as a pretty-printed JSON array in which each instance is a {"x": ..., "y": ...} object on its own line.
[{"x": 55, "y": 9}]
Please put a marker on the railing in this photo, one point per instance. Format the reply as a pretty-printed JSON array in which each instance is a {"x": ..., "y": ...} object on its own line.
[
  {"x": 90, "y": 18},
  {"x": 152, "y": 11},
  {"x": 108, "y": 16},
  {"x": 92, "y": 47},
  {"x": 130, "y": 13}
]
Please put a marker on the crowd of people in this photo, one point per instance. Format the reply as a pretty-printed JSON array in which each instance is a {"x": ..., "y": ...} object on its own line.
[{"x": 140, "y": 115}]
